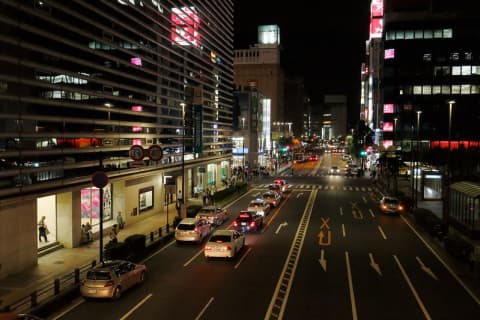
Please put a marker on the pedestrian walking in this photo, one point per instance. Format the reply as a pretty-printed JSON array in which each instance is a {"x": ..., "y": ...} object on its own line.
[
  {"x": 204, "y": 197},
  {"x": 42, "y": 229},
  {"x": 88, "y": 231},
  {"x": 120, "y": 221}
]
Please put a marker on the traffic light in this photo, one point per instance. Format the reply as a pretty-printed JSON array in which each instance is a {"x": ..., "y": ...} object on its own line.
[{"x": 363, "y": 153}]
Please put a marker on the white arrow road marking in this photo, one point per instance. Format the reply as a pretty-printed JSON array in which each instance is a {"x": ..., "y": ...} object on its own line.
[
  {"x": 374, "y": 265},
  {"x": 299, "y": 195},
  {"x": 343, "y": 230},
  {"x": 341, "y": 211},
  {"x": 426, "y": 269},
  {"x": 364, "y": 199},
  {"x": 280, "y": 226},
  {"x": 322, "y": 261},
  {"x": 371, "y": 213}
]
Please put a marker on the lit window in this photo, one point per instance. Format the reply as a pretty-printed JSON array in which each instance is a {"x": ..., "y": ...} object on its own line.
[
  {"x": 390, "y": 35},
  {"x": 468, "y": 56},
  {"x": 427, "y": 57},
  {"x": 454, "y": 56},
  {"x": 437, "y": 89},
  {"x": 437, "y": 71},
  {"x": 446, "y": 70},
  {"x": 445, "y": 89},
  {"x": 447, "y": 33},
  {"x": 409, "y": 34},
  {"x": 427, "y": 90},
  {"x": 475, "y": 89},
  {"x": 465, "y": 89},
  {"x": 437, "y": 34},
  {"x": 475, "y": 69},
  {"x": 400, "y": 34},
  {"x": 427, "y": 34},
  {"x": 418, "y": 34},
  {"x": 456, "y": 70},
  {"x": 466, "y": 70},
  {"x": 417, "y": 89},
  {"x": 389, "y": 53},
  {"x": 455, "y": 89}
]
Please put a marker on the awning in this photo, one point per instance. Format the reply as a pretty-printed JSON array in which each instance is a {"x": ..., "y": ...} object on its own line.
[{"x": 470, "y": 189}]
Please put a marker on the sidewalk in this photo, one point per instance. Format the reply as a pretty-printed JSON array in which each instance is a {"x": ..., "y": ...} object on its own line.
[{"x": 65, "y": 260}]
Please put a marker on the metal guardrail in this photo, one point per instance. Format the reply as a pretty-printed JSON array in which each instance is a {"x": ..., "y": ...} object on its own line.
[{"x": 69, "y": 280}]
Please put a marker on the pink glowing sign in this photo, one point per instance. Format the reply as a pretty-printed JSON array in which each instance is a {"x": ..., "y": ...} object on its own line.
[
  {"x": 136, "y": 129},
  {"x": 387, "y": 143},
  {"x": 185, "y": 25},
  {"x": 389, "y": 54},
  {"x": 137, "y": 142},
  {"x": 387, "y": 127},
  {"x": 388, "y": 108},
  {"x": 137, "y": 108},
  {"x": 136, "y": 61},
  {"x": 376, "y": 8},
  {"x": 376, "y": 27}
]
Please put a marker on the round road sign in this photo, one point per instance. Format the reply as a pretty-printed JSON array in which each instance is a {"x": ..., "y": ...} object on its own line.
[
  {"x": 137, "y": 153},
  {"x": 155, "y": 152},
  {"x": 99, "y": 179}
]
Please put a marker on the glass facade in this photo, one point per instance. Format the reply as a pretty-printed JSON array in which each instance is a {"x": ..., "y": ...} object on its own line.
[{"x": 82, "y": 81}]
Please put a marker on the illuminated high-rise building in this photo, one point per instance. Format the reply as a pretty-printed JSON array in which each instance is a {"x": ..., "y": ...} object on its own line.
[{"x": 141, "y": 90}]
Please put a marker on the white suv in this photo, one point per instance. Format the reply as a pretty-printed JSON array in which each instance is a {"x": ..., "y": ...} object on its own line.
[{"x": 192, "y": 230}]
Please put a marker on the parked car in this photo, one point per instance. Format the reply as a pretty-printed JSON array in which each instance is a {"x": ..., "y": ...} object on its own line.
[
  {"x": 260, "y": 206},
  {"x": 272, "y": 197},
  {"x": 224, "y": 243},
  {"x": 110, "y": 278},
  {"x": 248, "y": 221},
  {"x": 192, "y": 230},
  {"x": 389, "y": 204},
  {"x": 214, "y": 215}
]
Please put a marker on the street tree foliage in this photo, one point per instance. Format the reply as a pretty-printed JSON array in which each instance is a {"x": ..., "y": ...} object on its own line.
[{"x": 362, "y": 138}]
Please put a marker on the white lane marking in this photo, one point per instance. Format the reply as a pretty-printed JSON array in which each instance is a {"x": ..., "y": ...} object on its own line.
[
  {"x": 374, "y": 265},
  {"x": 138, "y": 305},
  {"x": 299, "y": 195},
  {"x": 341, "y": 211},
  {"x": 204, "y": 308},
  {"x": 474, "y": 297},
  {"x": 350, "y": 285},
  {"x": 243, "y": 257},
  {"x": 193, "y": 258},
  {"x": 371, "y": 213},
  {"x": 383, "y": 233},
  {"x": 280, "y": 226},
  {"x": 343, "y": 230},
  {"x": 323, "y": 261},
  {"x": 364, "y": 199},
  {"x": 157, "y": 252},
  {"x": 412, "y": 288}
]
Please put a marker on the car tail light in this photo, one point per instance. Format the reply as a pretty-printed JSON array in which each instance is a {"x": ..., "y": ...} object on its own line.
[
  {"x": 235, "y": 223},
  {"x": 228, "y": 248},
  {"x": 252, "y": 224},
  {"x": 109, "y": 284},
  {"x": 208, "y": 248}
]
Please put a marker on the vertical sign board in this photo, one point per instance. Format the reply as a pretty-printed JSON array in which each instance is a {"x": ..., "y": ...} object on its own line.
[{"x": 197, "y": 128}]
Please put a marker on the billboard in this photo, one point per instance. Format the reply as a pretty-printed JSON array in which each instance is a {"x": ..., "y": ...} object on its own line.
[{"x": 185, "y": 25}]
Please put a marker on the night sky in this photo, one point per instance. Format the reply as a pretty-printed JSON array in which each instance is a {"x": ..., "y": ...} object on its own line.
[{"x": 324, "y": 46}]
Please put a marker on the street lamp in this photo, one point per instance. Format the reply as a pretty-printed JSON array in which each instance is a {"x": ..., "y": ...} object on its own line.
[
  {"x": 417, "y": 158},
  {"x": 183, "y": 155},
  {"x": 395, "y": 131},
  {"x": 446, "y": 204}
]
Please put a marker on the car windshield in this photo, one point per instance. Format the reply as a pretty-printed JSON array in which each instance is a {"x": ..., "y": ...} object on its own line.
[
  {"x": 206, "y": 211},
  {"x": 186, "y": 226},
  {"x": 390, "y": 201},
  {"x": 99, "y": 275},
  {"x": 220, "y": 238},
  {"x": 256, "y": 204}
]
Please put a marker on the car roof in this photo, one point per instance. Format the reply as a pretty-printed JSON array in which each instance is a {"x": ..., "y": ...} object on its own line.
[
  {"x": 223, "y": 232},
  {"x": 188, "y": 221},
  {"x": 390, "y": 198}
]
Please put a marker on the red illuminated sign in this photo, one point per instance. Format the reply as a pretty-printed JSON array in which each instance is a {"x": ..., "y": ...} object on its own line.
[
  {"x": 389, "y": 54},
  {"x": 376, "y": 8},
  {"x": 376, "y": 27},
  {"x": 137, "y": 108},
  {"x": 185, "y": 25},
  {"x": 387, "y": 127}
]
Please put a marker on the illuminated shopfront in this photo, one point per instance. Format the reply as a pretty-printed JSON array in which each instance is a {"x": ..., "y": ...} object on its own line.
[{"x": 90, "y": 204}]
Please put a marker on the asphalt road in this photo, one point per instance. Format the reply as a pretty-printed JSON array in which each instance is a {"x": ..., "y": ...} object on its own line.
[{"x": 325, "y": 253}]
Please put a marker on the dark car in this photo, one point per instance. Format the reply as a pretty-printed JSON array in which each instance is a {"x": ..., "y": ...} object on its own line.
[
  {"x": 248, "y": 221},
  {"x": 390, "y": 204}
]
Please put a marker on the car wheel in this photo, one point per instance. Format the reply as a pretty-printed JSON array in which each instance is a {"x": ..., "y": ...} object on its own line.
[{"x": 117, "y": 293}]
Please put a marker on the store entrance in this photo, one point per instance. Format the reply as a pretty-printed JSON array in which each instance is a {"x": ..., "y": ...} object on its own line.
[{"x": 47, "y": 219}]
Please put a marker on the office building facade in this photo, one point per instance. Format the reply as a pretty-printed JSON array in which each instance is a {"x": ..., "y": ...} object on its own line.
[{"x": 139, "y": 90}]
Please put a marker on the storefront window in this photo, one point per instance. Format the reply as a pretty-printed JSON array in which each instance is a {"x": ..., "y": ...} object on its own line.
[
  {"x": 90, "y": 204},
  {"x": 145, "y": 199}
]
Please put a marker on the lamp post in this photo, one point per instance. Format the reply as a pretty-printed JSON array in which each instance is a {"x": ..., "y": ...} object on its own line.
[
  {"x": 417, "y": 158},
  {"x": 395, "y": 131},
  {"x": 183, "y": 155},
  {"x": 446, "y": 202}
]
